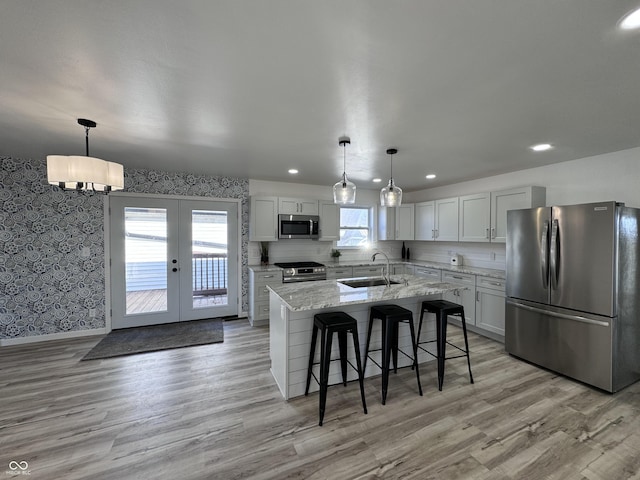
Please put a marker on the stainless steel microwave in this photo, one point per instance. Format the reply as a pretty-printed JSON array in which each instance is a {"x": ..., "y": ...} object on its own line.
[{"x": 299, "y": 226}]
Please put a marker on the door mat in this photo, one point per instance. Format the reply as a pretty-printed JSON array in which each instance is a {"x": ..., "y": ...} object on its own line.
[{"x": 158, "y": 337}]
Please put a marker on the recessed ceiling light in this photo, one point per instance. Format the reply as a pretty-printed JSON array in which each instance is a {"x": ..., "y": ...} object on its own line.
[
  {"x": 377, "y": 180},
  {"x": 541, "y": 147},
  {"x": 631, "y": 21},
  {"x": 431, "y": 176},
  {"x": 293, "y": 171}
]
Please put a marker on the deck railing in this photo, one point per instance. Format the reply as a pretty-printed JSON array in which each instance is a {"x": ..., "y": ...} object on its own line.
[{"x": 209, "y": 273}]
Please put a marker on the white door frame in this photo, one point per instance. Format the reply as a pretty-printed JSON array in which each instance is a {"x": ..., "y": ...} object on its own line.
[{"x": 107, "y": 243}]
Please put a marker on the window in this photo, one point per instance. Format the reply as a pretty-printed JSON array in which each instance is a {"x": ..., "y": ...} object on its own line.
[{"x": 355, "y": 226}]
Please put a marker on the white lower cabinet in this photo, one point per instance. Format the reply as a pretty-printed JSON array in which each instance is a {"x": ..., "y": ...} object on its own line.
[
  {"x": 338, "y": 272},
  {"x": 465, "y": 297},
  {"x": 259, "y": 295},
  {"x": 490, "y": 304}
]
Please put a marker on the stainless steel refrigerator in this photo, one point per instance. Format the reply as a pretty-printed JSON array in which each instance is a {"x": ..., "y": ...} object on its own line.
[{"x": 573, "y": 284}]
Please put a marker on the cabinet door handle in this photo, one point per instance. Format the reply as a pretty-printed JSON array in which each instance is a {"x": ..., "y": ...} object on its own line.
[
  {"x": 487, "y": 235},
  {"x": 433, "y": 234},
  {"x": 477, "y": 296},
  {"x": 493, "y": 232}
]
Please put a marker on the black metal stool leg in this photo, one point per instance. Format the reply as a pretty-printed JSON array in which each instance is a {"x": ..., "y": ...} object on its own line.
[
  {"x": 466, "y": 345},
  {"x": 356, "y": 348},
  {"x": 342, "y": 343},
  {"x": 324, "y": 372},
  {"x": 414, "y": 342},
  {"x": 442, "y": 348},
  {"x": 387, "y": 342},
  {"x": 314, "y": 337},
  {"x": 366, "y": 349},
  {"x": 394, "y": 346},
  {"x": 415, "y": 359}
]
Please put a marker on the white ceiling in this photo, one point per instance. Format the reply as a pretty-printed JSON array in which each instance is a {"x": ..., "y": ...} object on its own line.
[{"x": 252, "y": 88}]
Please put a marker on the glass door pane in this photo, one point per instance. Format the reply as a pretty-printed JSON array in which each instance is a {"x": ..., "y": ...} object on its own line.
[
  {"x": 209, "y": 272},
  {"x": 143, "y": 252},
  {"x": 145, "y": 259},
  {"x": 208, "y": 259}
]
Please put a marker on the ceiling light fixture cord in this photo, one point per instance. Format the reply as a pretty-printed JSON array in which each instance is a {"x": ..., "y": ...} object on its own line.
[
  {"x": 344, "y": 191},
  {"x": 86, "y": 139},
  {"x": 391, "y": 195}
]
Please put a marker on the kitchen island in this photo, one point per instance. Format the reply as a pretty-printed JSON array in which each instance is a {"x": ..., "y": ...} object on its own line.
[{"x": 292, "y": 307}]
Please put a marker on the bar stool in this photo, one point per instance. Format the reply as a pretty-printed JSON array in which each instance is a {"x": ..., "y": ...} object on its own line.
[
  {"x": 328, "y": 324},
  {"x": 442, "y": 309},
  {"x": 391, "y": 317}
]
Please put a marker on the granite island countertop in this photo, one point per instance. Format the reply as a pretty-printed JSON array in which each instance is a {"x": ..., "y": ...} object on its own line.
[{"x": 331, "y": 293}]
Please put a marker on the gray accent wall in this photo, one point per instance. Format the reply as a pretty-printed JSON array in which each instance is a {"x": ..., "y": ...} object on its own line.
[{"x": 46, "y": 286}]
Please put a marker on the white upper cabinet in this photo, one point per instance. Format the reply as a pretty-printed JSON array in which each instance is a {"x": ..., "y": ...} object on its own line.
[
  {"x": 425, "y": 220},
  {"x": 263, "y": 219},
  {"x": 446, "y": 220},
  {"x": 297, "y": 206},
  {"x": 513, "y": 199},
  {"x": 386, "y": 223},
  {"x": 474, "y": 221},
  {"x": 437, "y": 220},
  {"x": 405, "y": 222},
  {"x": 329, "y": 221},
  {"x": 396, "y": 223}
]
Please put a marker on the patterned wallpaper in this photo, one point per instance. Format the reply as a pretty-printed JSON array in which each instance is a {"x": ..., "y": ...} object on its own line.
[{"x": 45, "y": 285}]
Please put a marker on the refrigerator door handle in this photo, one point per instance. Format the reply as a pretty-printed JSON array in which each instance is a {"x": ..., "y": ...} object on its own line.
[
  {"x": 544, "y": 255},
  {"x": 553, "y": 254},
  {"x": 577, "y": 318}
]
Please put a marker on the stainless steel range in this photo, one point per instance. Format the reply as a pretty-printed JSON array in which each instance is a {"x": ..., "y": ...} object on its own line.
[{"x": 302, "y": 271}]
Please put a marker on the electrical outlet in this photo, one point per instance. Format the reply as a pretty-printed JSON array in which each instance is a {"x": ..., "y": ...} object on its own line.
[{"x": 92, "y": 313}]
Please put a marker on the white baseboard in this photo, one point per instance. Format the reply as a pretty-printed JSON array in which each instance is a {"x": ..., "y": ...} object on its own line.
[{"x": 5, "y": 342}]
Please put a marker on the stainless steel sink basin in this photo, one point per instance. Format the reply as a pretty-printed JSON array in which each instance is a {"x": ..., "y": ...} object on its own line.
[{"x": 366, "y": 282}]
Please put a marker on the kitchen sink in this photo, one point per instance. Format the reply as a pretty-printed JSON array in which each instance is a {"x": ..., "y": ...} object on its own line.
[{"x": 366, "y": 282}]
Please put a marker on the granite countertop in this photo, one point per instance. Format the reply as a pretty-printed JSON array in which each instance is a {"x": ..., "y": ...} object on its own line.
[
  {"x": 330, "y": 293},
  {"x": 265, "y": 268},
  {"x": 486, "y": 272}
]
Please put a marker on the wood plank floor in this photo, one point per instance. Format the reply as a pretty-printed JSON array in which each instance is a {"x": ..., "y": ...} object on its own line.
[{"x": 214, "y": 412}]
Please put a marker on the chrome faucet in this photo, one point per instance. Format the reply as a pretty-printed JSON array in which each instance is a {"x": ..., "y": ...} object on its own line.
[{"x": 386, "y": 277}]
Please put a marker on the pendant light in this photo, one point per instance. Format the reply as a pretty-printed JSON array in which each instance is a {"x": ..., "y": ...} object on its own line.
[
  {"x": 391, "y": 195},
  {"x": 74, "y": 172},
  {"x": 344, "y": 191}
]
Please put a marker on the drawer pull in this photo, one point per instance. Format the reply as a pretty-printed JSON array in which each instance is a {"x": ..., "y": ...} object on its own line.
[
  {"x": 457, "y": 278},
  {"x": 268, "y": 276}
]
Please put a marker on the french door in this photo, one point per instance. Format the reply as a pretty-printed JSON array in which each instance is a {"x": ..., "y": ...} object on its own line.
[{"x": 172, "y": 259}]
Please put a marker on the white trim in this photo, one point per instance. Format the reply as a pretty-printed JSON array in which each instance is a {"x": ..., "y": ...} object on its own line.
[
  {"x": 107, "y": 239},
  {"x": 107, "y": 265},
  {"x": 6, "y": 342},
  {"x": 174, "y": 197}
]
